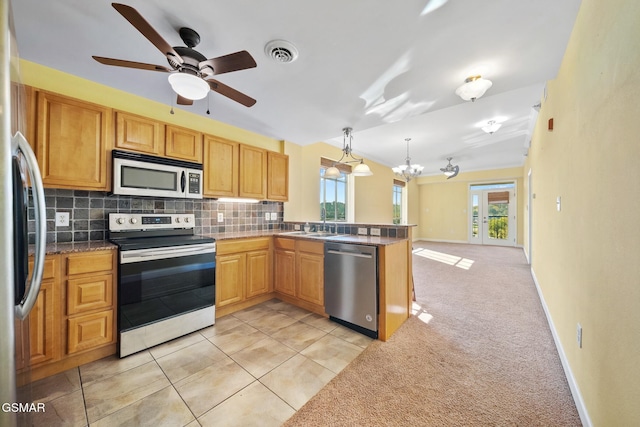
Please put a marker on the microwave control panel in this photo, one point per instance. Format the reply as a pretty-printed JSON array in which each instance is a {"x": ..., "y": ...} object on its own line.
[{"x": 194, "y": 183}]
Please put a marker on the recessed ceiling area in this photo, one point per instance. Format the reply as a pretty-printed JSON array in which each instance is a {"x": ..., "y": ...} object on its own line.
[{"x": 389, "y": 70}]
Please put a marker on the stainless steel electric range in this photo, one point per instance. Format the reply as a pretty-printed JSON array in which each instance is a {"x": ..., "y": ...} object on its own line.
[{"x": 166, "y": 278}]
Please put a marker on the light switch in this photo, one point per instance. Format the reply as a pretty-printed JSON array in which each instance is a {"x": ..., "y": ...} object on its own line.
[{"x": 274, "y": 216}]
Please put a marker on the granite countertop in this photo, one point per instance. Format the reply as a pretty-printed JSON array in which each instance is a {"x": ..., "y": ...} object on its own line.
[
  {"x": 101, "y": 245},
  {"x": 66, "y": 248},
  {"x": 340, "y": 238}
]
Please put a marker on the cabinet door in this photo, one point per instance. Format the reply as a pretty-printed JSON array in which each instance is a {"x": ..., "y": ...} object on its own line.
[
  {"x": 230, "y": 278},
  {"x": 221, "y": 167},
  {"x": 278, "y": 176},
  {"x": 285, "y": 272},
  {"x": 44, "y": 329},
  {"x": 253, "y": 172},
  {"x": 258, "y": 273},
  {"x": 310, "y": 272},
  {"x": 139, "y": 134},
  {"x": 89, "y": 331},
  {"x": 73, "y": 142},
  {"x": 184, "y": 144}
]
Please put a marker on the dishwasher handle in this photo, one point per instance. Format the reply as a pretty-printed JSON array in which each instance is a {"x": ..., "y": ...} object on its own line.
[{"x": 354, "y": 254}]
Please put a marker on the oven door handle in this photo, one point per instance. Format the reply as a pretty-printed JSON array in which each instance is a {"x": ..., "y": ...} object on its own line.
[{"x": 141, "y": 255}]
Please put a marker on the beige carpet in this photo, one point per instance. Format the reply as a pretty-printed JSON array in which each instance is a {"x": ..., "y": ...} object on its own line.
[{"x": 486, "y": 357}]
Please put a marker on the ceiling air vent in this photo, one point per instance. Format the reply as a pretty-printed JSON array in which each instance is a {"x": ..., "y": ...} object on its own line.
[{"x": 281, "y": 51}]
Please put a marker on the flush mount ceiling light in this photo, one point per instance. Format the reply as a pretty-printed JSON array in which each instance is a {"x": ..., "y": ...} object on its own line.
[
  {"x": 450, "y": 171},
  {"x": 473, "y": 88},
  {"x": 491, "y": 127},
  {"x": 408, "y": 171},
  {"x": 360, "y": 170},
  {"x": 188, "y": 85}
]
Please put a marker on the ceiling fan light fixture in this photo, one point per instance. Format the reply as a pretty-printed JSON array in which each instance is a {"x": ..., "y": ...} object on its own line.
[
  {"x": 188, "y": 86},
  {"x": 450, "y": 171},
  {"x": 473, "y": 88}
]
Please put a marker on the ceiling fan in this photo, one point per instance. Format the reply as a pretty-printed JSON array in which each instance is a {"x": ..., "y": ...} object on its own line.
[
  {"x": 450, "y": 171},
  {"x": 190, "y": 70}
]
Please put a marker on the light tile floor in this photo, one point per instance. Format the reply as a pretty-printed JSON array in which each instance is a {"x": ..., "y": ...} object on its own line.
[{"x": 254, "y": 367}]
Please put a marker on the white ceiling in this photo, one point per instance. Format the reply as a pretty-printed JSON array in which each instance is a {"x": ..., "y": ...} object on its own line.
[{"x": 387, "y": 69}]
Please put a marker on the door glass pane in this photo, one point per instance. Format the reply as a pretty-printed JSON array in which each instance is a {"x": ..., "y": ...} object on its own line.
[
  {"x": 475, "y": 215},
  {"x": 498, "y": 220}
]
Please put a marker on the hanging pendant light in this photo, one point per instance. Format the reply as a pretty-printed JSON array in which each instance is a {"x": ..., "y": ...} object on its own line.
[
  {"x": 361, "y": 168},
  {"x": 408, "y": 171}
]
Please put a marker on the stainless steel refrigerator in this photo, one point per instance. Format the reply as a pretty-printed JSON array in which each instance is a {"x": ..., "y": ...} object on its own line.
[{"x": 20, "y": 190}]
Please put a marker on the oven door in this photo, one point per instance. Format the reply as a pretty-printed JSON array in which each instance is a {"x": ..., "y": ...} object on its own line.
[{"x": 160, "y": 283}]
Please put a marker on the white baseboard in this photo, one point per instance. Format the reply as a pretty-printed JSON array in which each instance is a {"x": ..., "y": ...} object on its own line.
[
  {"x": 415, "y": 239},
  {"x": 575, "y": 391}
]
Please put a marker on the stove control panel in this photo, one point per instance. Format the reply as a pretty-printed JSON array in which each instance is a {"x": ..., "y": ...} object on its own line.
[{"x": 136, "y": 221}]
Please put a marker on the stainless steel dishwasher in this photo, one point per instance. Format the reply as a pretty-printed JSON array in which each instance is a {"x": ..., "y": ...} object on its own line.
[{"x": 351, "y": 286}]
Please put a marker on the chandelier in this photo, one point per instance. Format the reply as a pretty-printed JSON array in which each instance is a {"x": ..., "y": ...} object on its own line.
[
  {"x": 450, "y": 171},
  {"x": 360, "y": 170},
  {"x": 408, "y": 171},
  {"x": 473, "y": 88}
]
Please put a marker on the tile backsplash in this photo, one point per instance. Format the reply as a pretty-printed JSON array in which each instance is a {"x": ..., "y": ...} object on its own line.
[{"x": 89, "y": 214}]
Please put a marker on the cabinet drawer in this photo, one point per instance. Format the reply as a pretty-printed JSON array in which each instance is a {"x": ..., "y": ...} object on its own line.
[
  {"x": 284, "y": 243},
  {"x": 311, "y": 247},
  {"x": 89, "y": 293},
  {"x": 50, "y": 266},
  {"x": 88, "y": 331},
  {"x": 242, "y": 245},
  {"x": 89, "y": 262}
]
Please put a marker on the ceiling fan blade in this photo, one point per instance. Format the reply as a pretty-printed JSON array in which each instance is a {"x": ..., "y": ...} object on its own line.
[
  {"x": 130, "y": 64},
  {"x": 132, "y": 15},
  {"x": 184, "y": 101},
  {"x": 456, "y": 169},
  {"x": 231, "y": 62},
  {"x": 231, "y": 93}
]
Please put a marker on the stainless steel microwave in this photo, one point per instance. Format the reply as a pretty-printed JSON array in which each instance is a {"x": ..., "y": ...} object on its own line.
[{"x": 150, "y": 176}]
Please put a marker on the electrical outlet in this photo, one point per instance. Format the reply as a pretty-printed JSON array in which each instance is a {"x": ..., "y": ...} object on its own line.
[
  {"x": 267, "y": 216},
  {"x": 274, "y": 216},
  {"x": 559, "y": 203},
  {"x": 375, "y": 231},
  {"x": 220, "y": 217},
  {"x": 62, "y": 219},
  {"x": 296, "y": 227},
  {"x": 362, "y": 231},
  {"x": 579, "y": 335}
]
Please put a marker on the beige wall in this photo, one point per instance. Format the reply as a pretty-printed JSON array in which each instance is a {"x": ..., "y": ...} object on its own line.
[
  {"x": 373, "y": 195},
  {"x": 52, "y": 80},
  {"x": 444, "y": 203},
  {"x": 586, "y": 258}
]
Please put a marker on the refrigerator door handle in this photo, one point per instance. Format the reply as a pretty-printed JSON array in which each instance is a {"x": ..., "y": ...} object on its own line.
[{"x": 20, "y": 143}]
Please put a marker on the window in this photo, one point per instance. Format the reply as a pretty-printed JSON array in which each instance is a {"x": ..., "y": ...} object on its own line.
[
  {"x": 397, "y": 201},
  {"x": 333, "y": 197}
]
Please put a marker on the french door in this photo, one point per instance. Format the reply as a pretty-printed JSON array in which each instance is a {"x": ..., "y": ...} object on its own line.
[{"x": 492, "y": 214}]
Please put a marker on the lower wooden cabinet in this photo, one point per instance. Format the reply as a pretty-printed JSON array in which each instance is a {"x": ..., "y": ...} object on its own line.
[
  {"x": 74, "y": 318},
  {"x": 299, "y": 272},
  {"x": 243, "y": 273}
]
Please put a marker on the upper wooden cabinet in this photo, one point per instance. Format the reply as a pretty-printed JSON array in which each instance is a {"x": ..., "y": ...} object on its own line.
[
  {"x": 253, "y": 172},
  {"x": 72, "y": 142},
  {"x": 277, "y": 176},
  {"x": 139, "y": 134},
  {"x": 221, "y": 167},
  {"x": 182, "y": 143}
]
